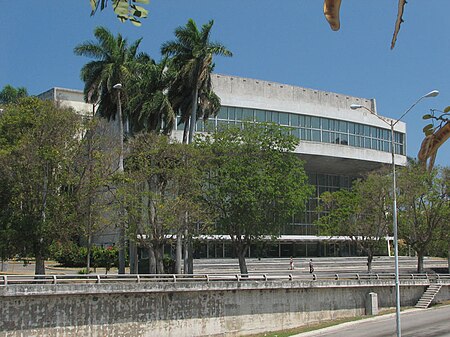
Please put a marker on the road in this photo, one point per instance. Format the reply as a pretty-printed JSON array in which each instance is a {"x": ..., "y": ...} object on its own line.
[{"x": 434, "y": 322}]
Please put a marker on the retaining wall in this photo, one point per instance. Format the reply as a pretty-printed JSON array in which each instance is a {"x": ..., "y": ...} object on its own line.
[{"x": 189, "y": 309}]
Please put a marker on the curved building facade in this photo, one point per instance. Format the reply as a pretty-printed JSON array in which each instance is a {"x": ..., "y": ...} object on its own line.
[{"x": 337, "y": 144}]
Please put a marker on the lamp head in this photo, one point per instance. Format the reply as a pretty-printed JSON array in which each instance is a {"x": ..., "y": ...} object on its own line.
[
  {"x": 117, "y": 86},
  {"x": 433, "y": 93},
  {"x": 355, "y": 106}
]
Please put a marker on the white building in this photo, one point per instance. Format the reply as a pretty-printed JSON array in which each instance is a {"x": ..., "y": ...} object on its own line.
[{"x": 338, "y": 144}]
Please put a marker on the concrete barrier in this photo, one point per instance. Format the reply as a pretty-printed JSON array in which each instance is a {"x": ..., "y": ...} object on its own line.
[{"x": 190, "y": 309}]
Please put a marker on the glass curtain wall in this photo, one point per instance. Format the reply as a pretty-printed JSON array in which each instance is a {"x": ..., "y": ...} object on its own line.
[{"x": 309, "y": 128}]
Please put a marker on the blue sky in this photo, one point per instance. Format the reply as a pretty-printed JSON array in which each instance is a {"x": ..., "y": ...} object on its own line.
[{"x": 282, "y": 41}]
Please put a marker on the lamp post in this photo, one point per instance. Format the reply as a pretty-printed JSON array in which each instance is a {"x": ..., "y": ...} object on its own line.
[
  {"x": 121, "y": 270},
  {"x": 392, "y": 124}
]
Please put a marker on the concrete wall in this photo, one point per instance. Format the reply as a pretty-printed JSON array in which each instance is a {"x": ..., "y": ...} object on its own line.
[
  {"x": 258, "y": 94},
  {"x": 184, "y": 309}
]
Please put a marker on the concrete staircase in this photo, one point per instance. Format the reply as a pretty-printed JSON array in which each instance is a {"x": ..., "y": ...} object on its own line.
[{"x": 428, "y": 296}]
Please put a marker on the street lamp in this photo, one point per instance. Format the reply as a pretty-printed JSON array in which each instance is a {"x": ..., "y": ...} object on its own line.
[{"x": 392, "y": 124}]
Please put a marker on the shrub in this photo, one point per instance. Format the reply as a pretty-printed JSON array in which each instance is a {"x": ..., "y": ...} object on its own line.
[
  {"x": 68, "y": 254},
  {"x": 72, "y": 255}
]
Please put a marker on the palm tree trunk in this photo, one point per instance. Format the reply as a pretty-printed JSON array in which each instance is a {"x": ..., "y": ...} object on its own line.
[{"x": 193, "y": 114}]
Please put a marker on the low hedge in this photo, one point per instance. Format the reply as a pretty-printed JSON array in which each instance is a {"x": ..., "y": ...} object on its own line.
[{"x": 70, "y": 254}]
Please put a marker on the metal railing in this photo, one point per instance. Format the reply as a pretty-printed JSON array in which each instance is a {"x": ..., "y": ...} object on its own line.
[{"x": 6, "y": 280}]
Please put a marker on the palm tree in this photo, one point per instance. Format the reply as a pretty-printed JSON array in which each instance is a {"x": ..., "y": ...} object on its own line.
[
  {"x": 112, "y": 64},
  {"x": 192, "y": 53},
  {"x": 149, "y": 107}
]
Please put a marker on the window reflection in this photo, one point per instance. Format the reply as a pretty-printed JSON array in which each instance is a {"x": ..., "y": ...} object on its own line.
[{"x": 309, "y": 128}]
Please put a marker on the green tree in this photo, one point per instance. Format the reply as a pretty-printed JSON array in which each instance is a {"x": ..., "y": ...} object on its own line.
[
  {"x": 424, "y": 209},
  {"x": 361, "y": 214},
  {"x": 162, "y": 186},
  {"x": 192, "y": 60},
  {"x": 37, "y": 141},
  {"x": 113, "y": 61},
  {"x": 149, "y": 106},
  {"x": 9, "y": 94},
  {"x": 92, "y": 177},
  {"x": 192, "y": 53},
  {"x": 254, "y": 182}
]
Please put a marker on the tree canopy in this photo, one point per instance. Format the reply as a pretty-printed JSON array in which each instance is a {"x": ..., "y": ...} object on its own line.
[
  {"x": 38, "y": 142},
  {"x": 361, "y": 213},
  {"x": 424, "y": 207},
  {"x": 9, "y": 94},
  {"x": 254, "y": 182}
]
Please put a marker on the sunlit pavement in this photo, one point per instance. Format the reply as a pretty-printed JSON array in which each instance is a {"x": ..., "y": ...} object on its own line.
[{"x": 381, "y": 264}]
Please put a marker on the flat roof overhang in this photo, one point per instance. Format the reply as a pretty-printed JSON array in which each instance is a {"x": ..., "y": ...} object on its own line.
[{"x": 343, "y": 159}]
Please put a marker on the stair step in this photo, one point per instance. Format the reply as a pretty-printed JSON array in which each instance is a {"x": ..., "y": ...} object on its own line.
[{"x": 428, "y": 296}]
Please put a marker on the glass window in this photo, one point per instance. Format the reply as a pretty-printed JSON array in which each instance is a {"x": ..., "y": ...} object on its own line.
[
  {"x": 366, "y": 130},
  {"x": 373, "y": 131},
  {"x": 321, "y": 179},
  {"x": 342, "y": 126},
  {"x": 247, "y": 114},
  {"x": 307, "y": 121},
  {"x": 301, "y": 120},
  {"x": 222, "y": 125},
  {"x": 223, "y": 113},
  {"x": 344, "y": 182},
  {"x": 260, "y": 115},
  {"x": 296, "y": 132},
  {"x": 332, "y": 124},
  {"x": 315, "y": 122},
  {"x": 231, "y": 113},
  {"x": 238, "y": 112},
  {"x": 361, "y": 130},
  {"x": 284, "y": 118},
  {"x": 325, "y": 124},
  {"x": 316, "y": 135},
  {"x": 374, "y": 144},
  {"x": 199, "y": 125},
  {"x": 325, "y": 136},
  {"x": 351, "y": 128},
  {"x": 275, "y": 117},
  {"x": 343, "y": 138},
  {"x": 352, "y": 140},
  {"x": 294, "y": 120},
  {"x": 308, "y": 134},
  {"x": 209, "y": 126}
]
